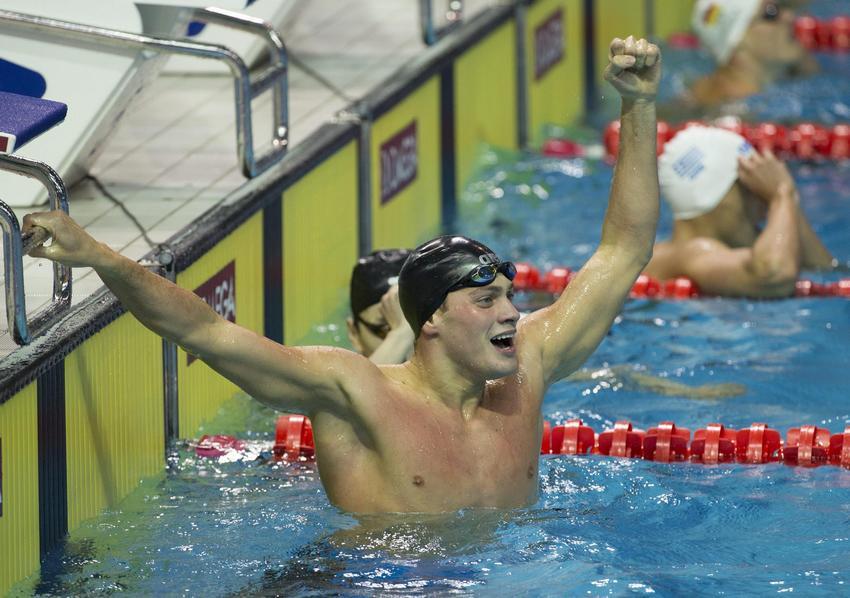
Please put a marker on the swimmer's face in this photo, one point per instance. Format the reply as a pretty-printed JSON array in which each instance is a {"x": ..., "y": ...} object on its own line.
[
  {"x": 477, "y": 326},
  {"x": 770, "y": 37},
  {"x": 368, "y": 330}
]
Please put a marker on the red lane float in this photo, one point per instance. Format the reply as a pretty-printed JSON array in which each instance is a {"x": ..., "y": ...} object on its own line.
[
  {"x": 813, "y": 34},
  {"x": 562, "y": 148},
  {"x": 217, "y": 445},
  {"x": 758, "y": 444},
  {"x": 807, "y": 446},
  {"x": 573, "y": 438},
  {"x": 293, "y": 438},
  {"x": 823, "y": 34},
  {"x": 666, "y": 443},
  {"x": 807, "y": 141},
  {"x": 623, "y": 441},
  {"x": 715, "y": 444},
  {"x": 529, "y": 279}
]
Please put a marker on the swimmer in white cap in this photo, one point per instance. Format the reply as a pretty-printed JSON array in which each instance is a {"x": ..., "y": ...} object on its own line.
[
  {"x": 459, "y": 424},
  {"x": 721, "y": 191},
  {"x": 752, "y": 42}
]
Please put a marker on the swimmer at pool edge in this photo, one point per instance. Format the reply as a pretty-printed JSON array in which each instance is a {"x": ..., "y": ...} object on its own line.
[{"x": 459, "y": 424}]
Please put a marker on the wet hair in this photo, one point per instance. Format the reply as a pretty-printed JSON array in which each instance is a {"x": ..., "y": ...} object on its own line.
[
  {"x": 372, "y": 275},
  {"x": 433, "y": 270}
]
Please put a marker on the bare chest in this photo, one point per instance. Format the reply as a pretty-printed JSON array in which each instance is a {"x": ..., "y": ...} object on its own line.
[{"x": 491, "y": 460}]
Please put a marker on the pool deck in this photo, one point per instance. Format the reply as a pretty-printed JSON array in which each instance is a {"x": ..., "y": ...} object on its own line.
[{"x": 173, "y": 157}]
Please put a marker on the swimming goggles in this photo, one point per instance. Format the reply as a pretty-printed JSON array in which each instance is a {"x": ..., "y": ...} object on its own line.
[
  {"x": 379, "y": 330},
  {"x": 484, "y": 274},
  {"x": 771, "y": 11}
]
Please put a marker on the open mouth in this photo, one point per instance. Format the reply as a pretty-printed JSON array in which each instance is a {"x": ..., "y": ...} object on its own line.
[{"x": 504, "y": 342}]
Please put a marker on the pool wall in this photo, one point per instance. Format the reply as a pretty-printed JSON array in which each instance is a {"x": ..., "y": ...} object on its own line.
[{"x": 87, "y": 411}]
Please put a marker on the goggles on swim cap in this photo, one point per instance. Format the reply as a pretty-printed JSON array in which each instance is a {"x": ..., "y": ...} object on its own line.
[
  {"x": 441, "y": 266},
  {"x": 484, "y": 274}
]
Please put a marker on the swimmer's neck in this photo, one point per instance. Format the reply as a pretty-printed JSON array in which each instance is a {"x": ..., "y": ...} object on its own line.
[{"x": 441, "y": 380}]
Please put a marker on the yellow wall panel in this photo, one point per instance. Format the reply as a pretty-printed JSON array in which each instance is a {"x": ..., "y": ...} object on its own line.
[
  {"x": 320, "y": 243},
  {"x": 672, "y": 16},
  {"x": 485, "y": 99},
  {"x": 616, "y": 18},
  {"x": 201, "y": 391},
  {"x": 413, "y": 214},
  {"x": 19, "y": 539},
  {"x": 557, "y": 97},
  {"x": 114, "y": 416}
]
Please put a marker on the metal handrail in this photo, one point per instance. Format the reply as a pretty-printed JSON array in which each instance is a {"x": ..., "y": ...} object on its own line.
[
  {"x": 16, "y": 246},
  {"x": 274, "y": 77},
  {"x": 431, "y": 34}
]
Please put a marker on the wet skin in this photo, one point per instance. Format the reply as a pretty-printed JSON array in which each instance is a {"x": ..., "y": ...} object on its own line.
[
  {"x": 459, "y": 424},
  {"x": 424, "y": 455}
]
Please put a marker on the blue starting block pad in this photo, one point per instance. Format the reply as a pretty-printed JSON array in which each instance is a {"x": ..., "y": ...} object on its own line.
[{"x": 23, "y": 118}]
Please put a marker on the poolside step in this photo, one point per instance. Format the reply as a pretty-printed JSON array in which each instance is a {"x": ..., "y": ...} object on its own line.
[{"x": 23, "y": 118}]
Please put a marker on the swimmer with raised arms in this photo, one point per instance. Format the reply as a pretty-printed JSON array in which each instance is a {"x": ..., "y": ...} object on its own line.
[{"x": 458, "y": 424}]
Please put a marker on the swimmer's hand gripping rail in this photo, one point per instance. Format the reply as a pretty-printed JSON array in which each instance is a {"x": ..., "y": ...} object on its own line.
[
  {"x": 274, "y": 77},
  {"x": 15, "y": 246}
]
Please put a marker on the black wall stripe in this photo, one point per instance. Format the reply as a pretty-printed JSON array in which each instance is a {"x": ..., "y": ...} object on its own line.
[
  {"x": 589, "y": 62},
  {"x": 447, "y": 145},
  {"x": 52, "y": 459},
  {"x": 273, "y": 270}
]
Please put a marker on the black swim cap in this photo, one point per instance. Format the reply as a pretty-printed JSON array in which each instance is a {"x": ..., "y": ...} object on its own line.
[
  {"x": 370, "y": 278},
  {"x": 435, "y": 267}
]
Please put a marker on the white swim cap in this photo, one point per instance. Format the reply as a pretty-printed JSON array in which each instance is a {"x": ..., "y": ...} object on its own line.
[
  {"x": 698, "y": 167},
  {"x": 720, "y": 24}
]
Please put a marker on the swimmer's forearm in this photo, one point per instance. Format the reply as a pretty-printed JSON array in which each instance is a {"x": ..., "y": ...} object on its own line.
[
  {"x": 162, "y": 306},
  {"x": 633, "y": 205},
  {"x": 776, "y": 252},
  {"x": 815, "y": 255},
  {"x": 395, "y": 349}
]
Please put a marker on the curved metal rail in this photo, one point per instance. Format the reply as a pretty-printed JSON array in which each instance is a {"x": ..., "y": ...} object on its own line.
[
  {"x": 15, "y": 246},
  {"x": 273, "y": 77}
]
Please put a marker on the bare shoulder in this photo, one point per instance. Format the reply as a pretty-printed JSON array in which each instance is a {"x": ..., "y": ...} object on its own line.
[{"x": 665, "y": 260}]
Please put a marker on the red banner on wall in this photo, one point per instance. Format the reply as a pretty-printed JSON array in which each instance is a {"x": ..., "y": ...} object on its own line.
[
  {"x": 219, "y": 292},
  {"x": 399, "y": 162},
  {"x": 548, "y": 44}
]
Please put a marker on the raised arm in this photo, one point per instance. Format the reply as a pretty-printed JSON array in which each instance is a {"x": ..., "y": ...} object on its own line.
[
  {"x": 291, "y": 378},
  {"x": 571, "y": 328}
]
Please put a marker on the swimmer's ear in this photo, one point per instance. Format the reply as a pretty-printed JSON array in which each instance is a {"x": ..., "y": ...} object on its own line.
[
  {"x": 354, "y": 335},
  {"x": 429, "y": 328}
]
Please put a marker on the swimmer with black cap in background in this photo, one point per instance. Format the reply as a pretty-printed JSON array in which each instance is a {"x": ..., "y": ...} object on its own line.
[
  {"x": 459, "y": 424},
  {"x": 377, "y": 328}
]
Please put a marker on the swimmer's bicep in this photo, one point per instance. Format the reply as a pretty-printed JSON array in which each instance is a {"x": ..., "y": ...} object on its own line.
[
  {"x": 300, "y": 379},
  {"x": 570, "y": 329},
  {"x": 720, "y": 270}
]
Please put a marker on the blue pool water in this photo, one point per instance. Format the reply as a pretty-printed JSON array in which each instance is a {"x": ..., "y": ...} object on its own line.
[{"x": 601, "y": 526}]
